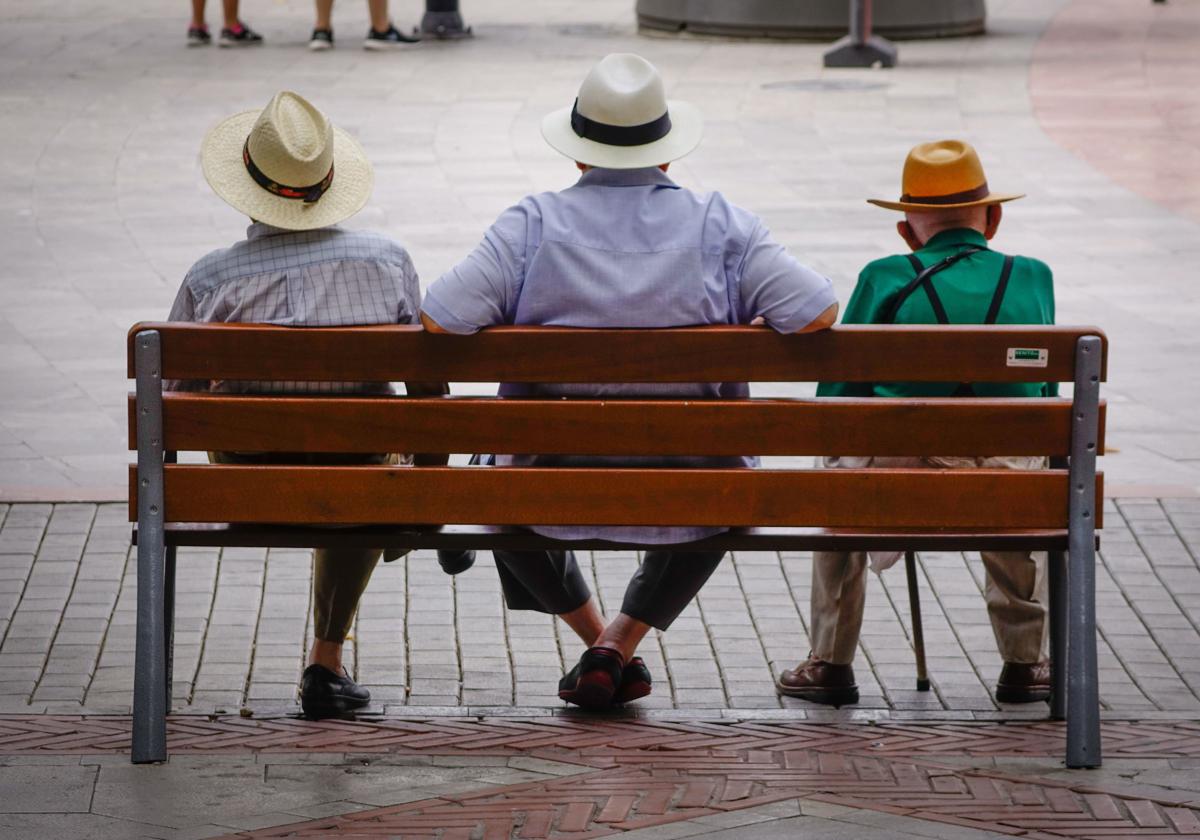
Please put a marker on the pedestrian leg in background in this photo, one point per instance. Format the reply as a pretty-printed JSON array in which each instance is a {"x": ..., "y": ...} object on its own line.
[{"x": 234, "y": 33}]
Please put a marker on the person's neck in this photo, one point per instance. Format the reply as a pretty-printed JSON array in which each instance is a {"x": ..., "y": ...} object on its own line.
[{"x": 949, "y": 228}]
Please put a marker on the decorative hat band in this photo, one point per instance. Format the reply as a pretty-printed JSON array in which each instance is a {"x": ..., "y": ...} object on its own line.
[
  {"x": 619, "y": 135},
  {"x": 963, "y": 197},
  {"x": 309, "y": 195}
]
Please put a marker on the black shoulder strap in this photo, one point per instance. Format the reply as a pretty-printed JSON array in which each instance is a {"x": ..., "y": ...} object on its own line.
[
  {"x": 923, "y": 275},
  {"x": 935, "y": 301},
  {"x": 1001, "y": 287}
]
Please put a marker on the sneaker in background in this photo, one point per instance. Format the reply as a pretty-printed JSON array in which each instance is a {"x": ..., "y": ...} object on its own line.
[
  {"x": 241, "y": 36},
  {"x": 322, "y": 39},
  {"x": 388, "y": 40},
  {"x": 198, "y": 36}
]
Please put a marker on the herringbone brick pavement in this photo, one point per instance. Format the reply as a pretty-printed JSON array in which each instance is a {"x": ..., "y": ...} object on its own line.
[
  {"x": 616, "y": 738},
  {"x": 648, "y": 773}
]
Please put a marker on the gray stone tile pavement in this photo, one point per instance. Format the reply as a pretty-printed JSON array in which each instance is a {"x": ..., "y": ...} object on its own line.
[
  {"x": 106, "y": 206},
  {"x": 206, "y": 796},
  {"x": 427, "y": 643}
]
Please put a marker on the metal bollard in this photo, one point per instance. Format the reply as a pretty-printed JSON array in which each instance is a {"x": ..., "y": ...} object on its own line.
[
  {"x": 443, "y": 20},
  {"x": 861, "y": 48}
]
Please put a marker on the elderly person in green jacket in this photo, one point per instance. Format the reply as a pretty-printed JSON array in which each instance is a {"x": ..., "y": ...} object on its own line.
[{"x": 952, "y": 276}]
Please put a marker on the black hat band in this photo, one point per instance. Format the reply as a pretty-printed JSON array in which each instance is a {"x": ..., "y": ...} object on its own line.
[
  {"x": 309, "y": 195},
  {"x": 619, "y": 135}
]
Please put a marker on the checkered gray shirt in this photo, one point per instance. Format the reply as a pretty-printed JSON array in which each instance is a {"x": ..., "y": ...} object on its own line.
[{"x": 313, "y": 278}]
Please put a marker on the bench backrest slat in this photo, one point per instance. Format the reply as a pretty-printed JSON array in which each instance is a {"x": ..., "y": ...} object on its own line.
[
  {"x": 919, "y": 499},
  {"x": 541, "y": 354},
  {"x": 513, "y": 496},
  {"x": 198, "y": 422}
]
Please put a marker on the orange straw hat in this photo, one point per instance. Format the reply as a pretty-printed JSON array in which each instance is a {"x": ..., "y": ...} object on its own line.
[{"x": 943, "y": 175}]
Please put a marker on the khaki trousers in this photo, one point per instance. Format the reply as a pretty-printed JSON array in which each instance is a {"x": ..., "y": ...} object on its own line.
[
  {"x": 340, "y": 575},
  {"x": 1016, "y": 590}
]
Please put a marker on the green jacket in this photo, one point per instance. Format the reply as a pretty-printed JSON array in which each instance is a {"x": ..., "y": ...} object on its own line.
[{"x": 966, "y": 289}]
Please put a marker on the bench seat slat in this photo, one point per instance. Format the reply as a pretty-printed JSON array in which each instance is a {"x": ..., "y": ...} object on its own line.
[
  {"x": 487, "y": 537},
  {"x": 518, "y": 496},
  {"x": 856, "y": 353},
  {"x": 198, "y": 422}
]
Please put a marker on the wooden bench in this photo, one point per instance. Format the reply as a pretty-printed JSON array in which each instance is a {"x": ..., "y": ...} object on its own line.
[{"x": 1056, "y": 510}]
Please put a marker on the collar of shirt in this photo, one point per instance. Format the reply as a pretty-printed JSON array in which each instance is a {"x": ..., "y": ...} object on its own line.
[
  {"x": 645, "y": 177},
  {"x": 957, "y": 236},
  {"x": 258, "y": 230}
]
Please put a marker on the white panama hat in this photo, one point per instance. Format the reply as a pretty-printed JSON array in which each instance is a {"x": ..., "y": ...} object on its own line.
[
  {"x": 622, "y": 118},
  {"x": 287, "y": 165}
]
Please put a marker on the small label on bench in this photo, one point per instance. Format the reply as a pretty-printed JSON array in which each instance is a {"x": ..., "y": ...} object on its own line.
[{"x": 1027, "y": 357}]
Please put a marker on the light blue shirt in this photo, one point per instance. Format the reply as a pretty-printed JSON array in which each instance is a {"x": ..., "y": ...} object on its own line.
[{"x": 628, "y": 248}]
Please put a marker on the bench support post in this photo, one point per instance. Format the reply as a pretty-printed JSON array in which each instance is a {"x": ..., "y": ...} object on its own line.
[
  {"x": 914, "y": 611},
  {"x": 150, "y": 687},
  {"x": 1083, "y": 690},
  {"x": 1057, "y": 571},
  {"x": 169, "y": 621}
]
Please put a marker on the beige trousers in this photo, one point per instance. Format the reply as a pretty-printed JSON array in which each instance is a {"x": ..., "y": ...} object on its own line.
[{"x": 1016, "y": 590}]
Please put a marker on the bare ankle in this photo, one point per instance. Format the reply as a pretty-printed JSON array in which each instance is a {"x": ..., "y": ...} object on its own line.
[{"x": 326, "y": 654}]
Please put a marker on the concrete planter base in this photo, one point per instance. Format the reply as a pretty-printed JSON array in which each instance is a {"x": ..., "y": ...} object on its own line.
[{"x": 816, "y": 20}]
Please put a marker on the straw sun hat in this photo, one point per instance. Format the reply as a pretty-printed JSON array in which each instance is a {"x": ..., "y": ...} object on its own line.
[
  {"x": 943, "y": 175},
  {"x": 287, "y": 165},
  {"x": 622, "y": 118}
]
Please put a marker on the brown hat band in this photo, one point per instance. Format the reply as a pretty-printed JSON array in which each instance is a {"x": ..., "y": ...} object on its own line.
[{"x": 963, "y": 197}]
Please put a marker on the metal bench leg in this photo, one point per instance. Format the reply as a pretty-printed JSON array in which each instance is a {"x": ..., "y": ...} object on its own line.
[
  {"x": 169, "y": 620},
  {"x": 1057, "y": 570},
  {"x": 1083, "y": 690},
  {"x": 150, "y": 688},
  {"x": 914, "y": 608}
]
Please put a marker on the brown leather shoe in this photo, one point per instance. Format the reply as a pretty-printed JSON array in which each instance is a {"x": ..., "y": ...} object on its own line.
[
  {"x": 1023, "y": 683},
  {"x": 819, "y": 682}
]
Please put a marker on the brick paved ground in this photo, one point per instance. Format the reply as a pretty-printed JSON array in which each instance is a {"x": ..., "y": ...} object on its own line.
[
  {"x": 571, "y": 778},
  {"x": 430, "y": 644}
]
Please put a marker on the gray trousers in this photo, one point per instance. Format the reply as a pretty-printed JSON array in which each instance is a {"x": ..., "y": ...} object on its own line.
[{"x": 551, "y": 582}]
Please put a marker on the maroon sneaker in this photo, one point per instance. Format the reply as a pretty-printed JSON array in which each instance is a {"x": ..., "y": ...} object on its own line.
[
  {"x": 819, "y": 682},
  {"x": 594, "y": 681},
  {"x": 635, "y": 681}
]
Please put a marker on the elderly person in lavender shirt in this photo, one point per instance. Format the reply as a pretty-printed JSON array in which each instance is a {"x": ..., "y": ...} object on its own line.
[{"x": 624, "y": 247}]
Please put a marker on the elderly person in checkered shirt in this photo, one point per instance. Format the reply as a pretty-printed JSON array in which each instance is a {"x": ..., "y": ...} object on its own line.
[{"x": 296, "y": 177}]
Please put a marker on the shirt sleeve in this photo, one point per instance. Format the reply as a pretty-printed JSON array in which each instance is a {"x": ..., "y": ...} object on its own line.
[
  {"x": 1052, "y": 388},
  {"x": 184, "y": 308},
  {"x": 410, "y": 292},
  {"x": 776, "y": 287},
  {"x": 481, "y": 291}
]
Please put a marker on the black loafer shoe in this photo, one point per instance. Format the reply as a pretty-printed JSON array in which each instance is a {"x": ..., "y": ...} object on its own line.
[
  {"x": 456, "y": 562},
  {"x": 325, "y": 694},
  {"x": 593, "y": 682}
]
